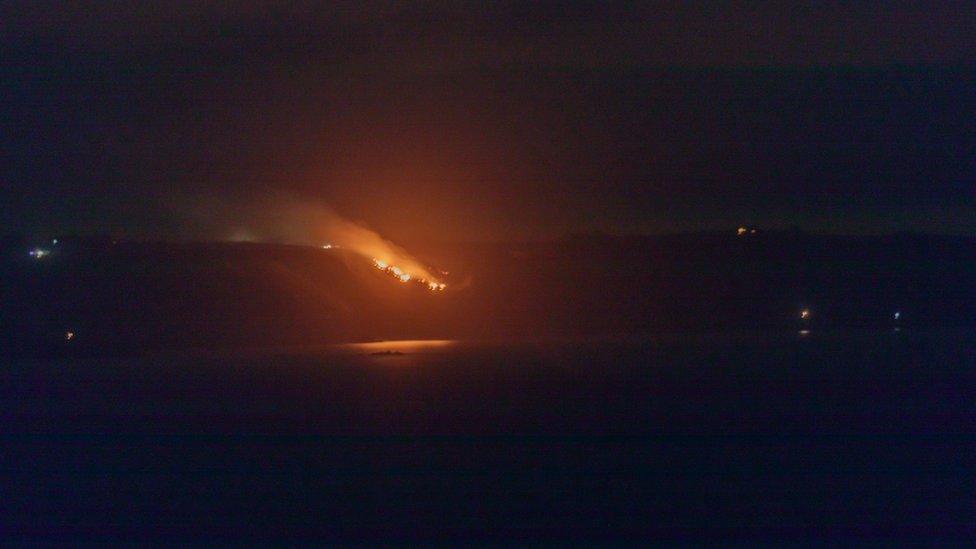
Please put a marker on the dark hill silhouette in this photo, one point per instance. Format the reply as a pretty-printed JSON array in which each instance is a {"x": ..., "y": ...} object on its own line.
[{"x": 134, "y": 296}]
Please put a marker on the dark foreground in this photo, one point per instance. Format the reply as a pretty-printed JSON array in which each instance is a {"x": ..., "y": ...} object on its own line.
[{"x": 866, "y": 435}]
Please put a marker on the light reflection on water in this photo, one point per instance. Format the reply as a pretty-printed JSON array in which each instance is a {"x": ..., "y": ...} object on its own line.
[{"x": 402, "y": 346}]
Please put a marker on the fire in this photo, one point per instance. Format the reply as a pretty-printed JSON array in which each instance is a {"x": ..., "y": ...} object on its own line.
[{"x": 404, "y": 277}]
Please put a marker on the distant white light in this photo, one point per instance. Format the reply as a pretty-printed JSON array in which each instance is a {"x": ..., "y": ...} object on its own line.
[
  {"x": 805, "y": 314},
  {"x": 39, "y": 253},
  {"x": 69, "y": 335},
  {"x": 741, "y": 231},
  {"x": 328, "y": 246},
  {"x": 897, "y": 315},
  {"x": 54, "y": 241}
]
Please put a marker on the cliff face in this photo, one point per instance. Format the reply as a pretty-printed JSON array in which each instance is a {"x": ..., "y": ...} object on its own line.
[{"x": 132, "y": 296}]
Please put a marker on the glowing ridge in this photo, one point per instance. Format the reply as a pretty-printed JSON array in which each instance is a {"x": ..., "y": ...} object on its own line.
[{"x": 404, "y": 277}]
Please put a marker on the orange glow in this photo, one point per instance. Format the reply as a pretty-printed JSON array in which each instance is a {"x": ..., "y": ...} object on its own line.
[
  {"x": 406, "y": 347},
  {"x": 404, "y": 277}
]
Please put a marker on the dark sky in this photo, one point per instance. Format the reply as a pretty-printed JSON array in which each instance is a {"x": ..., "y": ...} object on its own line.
[{"x": 464, "y": 121}]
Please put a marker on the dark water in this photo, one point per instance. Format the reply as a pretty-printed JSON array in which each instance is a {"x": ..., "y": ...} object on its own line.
[{"x": 787, "y": 436}]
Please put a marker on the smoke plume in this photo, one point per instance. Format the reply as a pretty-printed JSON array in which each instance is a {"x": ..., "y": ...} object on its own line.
[{"x": 290, "y": 220}]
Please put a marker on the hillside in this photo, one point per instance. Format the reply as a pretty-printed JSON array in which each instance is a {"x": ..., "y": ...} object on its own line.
[{"x": 133, "y": 296}]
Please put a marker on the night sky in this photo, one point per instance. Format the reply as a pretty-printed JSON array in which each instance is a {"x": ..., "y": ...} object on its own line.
[{"x": 512, "y": 120}]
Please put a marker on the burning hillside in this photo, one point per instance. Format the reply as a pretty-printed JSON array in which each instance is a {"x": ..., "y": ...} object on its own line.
[
  {"x": 405, "y": 277},
  {"x": 287, "y": 219}
]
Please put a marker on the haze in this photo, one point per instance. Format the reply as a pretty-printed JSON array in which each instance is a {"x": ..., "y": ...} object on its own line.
[{"x": 494, "y": 122}]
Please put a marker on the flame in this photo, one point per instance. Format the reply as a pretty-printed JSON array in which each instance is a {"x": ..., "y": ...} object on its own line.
[
  {"x": 290, "y": 219},
  {"x": 404, "y": 277}
]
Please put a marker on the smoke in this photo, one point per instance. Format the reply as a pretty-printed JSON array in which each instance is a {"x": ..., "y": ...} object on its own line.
[{"x": 289, "y": 220}]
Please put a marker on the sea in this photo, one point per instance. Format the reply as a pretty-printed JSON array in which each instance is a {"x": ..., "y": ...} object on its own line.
[{"x": 715, "y": 436}]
